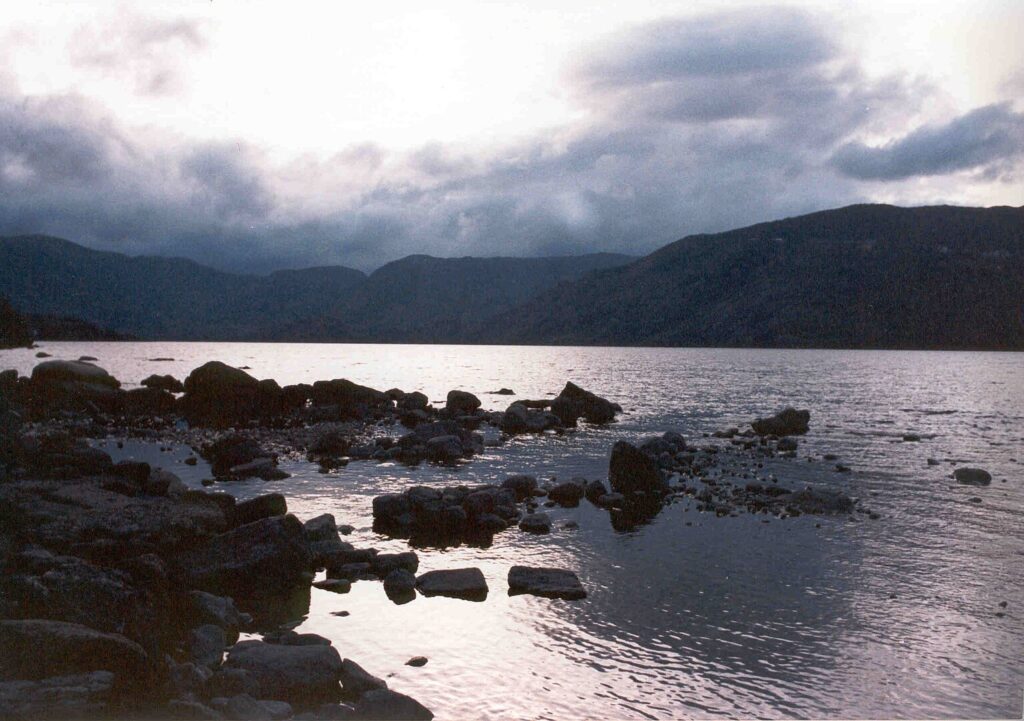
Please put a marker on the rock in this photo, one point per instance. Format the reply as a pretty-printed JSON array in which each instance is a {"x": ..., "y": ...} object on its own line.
[
  {"x": 818, "y": 501},
  {"x": 536, "y": 523},
  {"x": 271, "y": 552},
  {"x": 219, "y": 611},
  {"x": 414, "y": 401},
  {"x": 228, "y": 682},
  {"x": 73, "y": 385},
  {"x": 164, "y": 382},
  {"x": 43, "y": 354},
  {"x": 322, "y": 536},
  {"x": 334, "y": 585},
  {"x": 574, "y": 402},
  {"x": 255, "y": 509},
  {"x": 37, "y": 649},
  {"x": 135, "y": 471},
  {"x": 503, "y": 392},
  {"x": 911, "y": 438},
  {"x": 444, "y": 449},
  {"x": 59, "y": 371},
  {"x": 231, "y": 451},
  {"x": 787, "y": 422},
  {"x": 567, "y": 494},
  {"x": 350, "y": 400},
  {"x": 387, "y": 704},
  {"x": 547, "y": 582},
  {"x": 244, "y": 707},
  {"x": 278, "y": 710},
  {"x": 461, "y": 403},
  {"x": 631, "y": 470},
  {"x": 86, "y": 695},
  {"x": 465, "y": 583},
  {"x": 300, "y": 675},
  {"x": 356, "y": 681},
  {"x": 187, "y": 710},
  {"x": 594, "y": 490},
  {"x": 520, "y": 418},
  {"x": 417, "y": 661},
  {"x": 385, "y": 563},
  {"x": 611, "y": 500},
  {"x": 219, "y": 395},
  {"x": 206, "y": 645},
  {"x": 786, "y": 445},
  {"x": 972, "y": 476},
  {"x": 148, "y": 402},
  {"x": 523, "y": 486},
  {"x": 264, "y": 468},
  {"x": 399, "y": 582}
]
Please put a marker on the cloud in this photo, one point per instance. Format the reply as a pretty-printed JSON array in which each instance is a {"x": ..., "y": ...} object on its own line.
[
  {"x": 694, "y": 125},
  {"x": 148, "y": 51},
  {"x": 992, "y": 134}
]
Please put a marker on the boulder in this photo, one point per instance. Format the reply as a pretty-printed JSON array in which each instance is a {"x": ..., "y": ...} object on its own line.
[
  {"x": 465, "y": 583},
  {"x": 260, "y": 507},
  {"x": 574, "y": 403},
  {"x": 384, "y": 563},
  {"x": 351, "y": 400},
  {"x": 73, "y": 385},
  {"x": 461, "y": 403},
  {"x": 38, "y": 649},
  {"x": 86, "y": 695},
  {"x": 206, "y": 645},
  {"x": 399, "y": 582},
  {"x": 60, "y": 371},
  {"x": 269, "y": 553},
  {"x": 972, "y": 476},
  {"x": 787, "y": 422},
  {"x": 232, "y": 451},
  {"x": 219, "y": 395},
  {"x": 414, "y": 401},
  {"x": 522, "y": 485},
  {"x": 547, "y": 582},
  {"x": 594, "y": 490},
  {"x": 148, "y": 402},
  {"x": 356, "y": 681},
  {"x": 631, "y": 470},
  {"x": 217, "y": 610},
  {"x": 520, "y": 418},
  {"x": 165, "y": 383},
  {"x": 818, "y": 501},
  {"x": 301, "y": 675},
  {"x": 444, "y": 449},
  {"x": 387, "y": 704},
  {"x": 536, "y": 523},
  {"x": 567, "y": 494}
]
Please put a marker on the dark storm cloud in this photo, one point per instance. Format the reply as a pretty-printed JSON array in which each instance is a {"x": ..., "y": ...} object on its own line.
[
  {"x": 693, "y": 126},
  {"x": 992, "y": 134}
]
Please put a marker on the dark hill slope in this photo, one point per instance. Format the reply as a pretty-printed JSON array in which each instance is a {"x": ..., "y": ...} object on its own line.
[{"x": 865, "y": 276}]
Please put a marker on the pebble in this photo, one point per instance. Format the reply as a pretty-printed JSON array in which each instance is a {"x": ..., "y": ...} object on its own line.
[
  {"x": 340, "y": 613},
  {"x": 417, "y": 661}
]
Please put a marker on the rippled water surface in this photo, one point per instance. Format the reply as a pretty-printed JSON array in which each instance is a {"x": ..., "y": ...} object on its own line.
[{"x": 690, "y": 615}]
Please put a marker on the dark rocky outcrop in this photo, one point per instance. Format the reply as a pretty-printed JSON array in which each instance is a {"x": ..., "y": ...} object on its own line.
[
  {"x": 218, "y": 395},
  {"x": 461, "y": 403},
  {"x": 448, "y": 514},
  {"x": 787, "y": 422},
  {"x": 302, "y": 675},
  {"x": 630, "y": 470},
  {"x": 574, "y": 403},
  {"x": 165, "y": 382}
]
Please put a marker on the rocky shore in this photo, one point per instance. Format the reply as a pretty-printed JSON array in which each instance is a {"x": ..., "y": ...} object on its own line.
[{"x": 126, "y": 593}]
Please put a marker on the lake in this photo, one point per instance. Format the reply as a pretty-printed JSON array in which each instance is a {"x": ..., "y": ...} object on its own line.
[{"x": 690, "y": 615}]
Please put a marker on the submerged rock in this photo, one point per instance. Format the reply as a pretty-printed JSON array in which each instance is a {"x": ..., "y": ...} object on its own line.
[{"x": 386, "y": 704}]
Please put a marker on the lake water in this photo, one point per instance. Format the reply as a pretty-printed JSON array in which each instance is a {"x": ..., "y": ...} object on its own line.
[{"x": 724, "y": 617}]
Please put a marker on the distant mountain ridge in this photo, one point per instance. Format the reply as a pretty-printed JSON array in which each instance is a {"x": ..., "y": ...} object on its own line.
[
  {"x": 864, "y": 276},
  {"x": 416, "y": 299}
]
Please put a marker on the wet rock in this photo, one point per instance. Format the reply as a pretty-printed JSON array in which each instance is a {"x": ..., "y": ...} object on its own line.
[
  {"x": 574, "y": 403},
  {"x": 567, "y": 494},
  {"x": 611, "y": 500},
  {"x": 787, "y": 422},
  {"x": 232, "y": 451},
  {"x": 399, "y": 583},
  {"x": 334, "y": 585},
  {"x": 384, "y": 563},
  {"x": 465, "y": 583},
  {"x": 244, "y": 707},
  {"x": 414, "y": 401},
  {"x": 631, "y": 470},
  {"x": 255, "y": 509},
  {"x": 911, "y": 438},
  {"x": 547, "y": 582},
  {"x": 538, "y": 523},
  {"x": 271, "y": 552},
  {"x": 301, "y": 675},
  {"x": 786, "y": 445},
  {"x": 350, "y": 400},
  {"x": 387, "y": 704},
  {"x": 523, "y": 486},
  {"x": 164, "y": 383},
  {"x": 972, "y": 476},
  {"x": 417, "y": 661},
  {"x": 594, "y": 490},
  {"x": 323, "y": 537},
  {"x": 356, "y": 681},
  {"x": 520, "y": 418},
  {"x": 187, "y": 710},
  {"x": 818, "y": 501},
  {"x": 148, "y": 402},
  {"x": 444, "y": 449},
  {"x": 461, "y": 403},
  {"x": 503, "y": 392}
]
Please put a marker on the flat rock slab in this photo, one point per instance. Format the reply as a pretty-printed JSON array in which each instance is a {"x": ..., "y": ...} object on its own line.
[
  {"x": 465, "y": 583},
  {"x": 547, "y": 582}
]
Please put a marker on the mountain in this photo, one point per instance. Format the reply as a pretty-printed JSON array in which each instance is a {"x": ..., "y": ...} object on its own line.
[
  {"x": 416, "y": 299},
  {"x": 155, "y": 298},
  {"x": 864, "y": 276},
  {"x": 421, "y": 299},
  {"x": 14, "y": 330},
  {"x": 62, "y": 327}
]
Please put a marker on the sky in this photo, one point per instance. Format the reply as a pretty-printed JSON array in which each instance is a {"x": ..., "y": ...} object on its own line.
[{"x": 256, "y": 136}]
